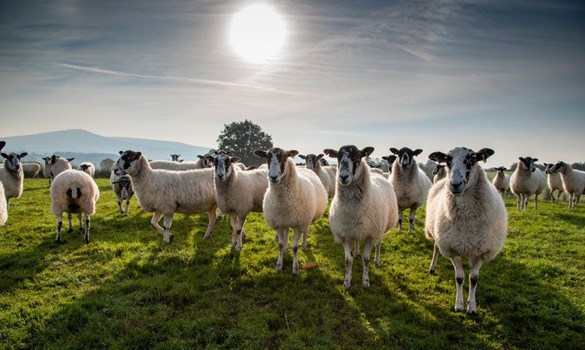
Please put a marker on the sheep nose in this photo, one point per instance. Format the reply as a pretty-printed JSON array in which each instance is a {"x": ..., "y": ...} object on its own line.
[
  {"x": 343, "y": 177},
  {"x": 456, "y": 185},
  {"x": 273, "y": 178}
]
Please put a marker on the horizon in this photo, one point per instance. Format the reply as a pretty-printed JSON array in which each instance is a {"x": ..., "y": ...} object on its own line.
[{"x": 431, "y": 74}]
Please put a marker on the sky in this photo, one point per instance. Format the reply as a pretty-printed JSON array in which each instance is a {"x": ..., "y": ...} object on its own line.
[{"x": 429, "y": 74}]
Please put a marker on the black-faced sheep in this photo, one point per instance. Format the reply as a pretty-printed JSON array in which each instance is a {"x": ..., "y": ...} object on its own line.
[
  {"x": 88, "y": 168},
  {"x": 554, "y": 181},
  {"x": 122, "y": 187},
  {"x": 12, "y": 176},
  {"x": 465, "y": 217},
  {"x": 501, "y": 181},
  {"x": 326, "y": 173}
]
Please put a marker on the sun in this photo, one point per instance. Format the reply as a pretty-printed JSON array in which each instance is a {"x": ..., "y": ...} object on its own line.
[{"x": 257, "y": 33}]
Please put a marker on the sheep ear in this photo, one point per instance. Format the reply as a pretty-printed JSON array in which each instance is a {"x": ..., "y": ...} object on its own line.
[
  {"x": 302, "y": 156},
  {"x": 394, "y": 150},
  {"x": 121, "y": 152},
  {"x": 200, "y": 156},
  {"x": 484, "y": 154},
  {"x": 367, "y": 151},
  {"x": 330, "y": 152},
  {"x": 235, "y": 159},
  {"x": 260, "y": 153},
  {"x": 2, "y": 144},
  {"x": 321, "y": 155},
  {"x": 438, "y": 157},
  {"x": 138, "y": 155},
  {"x": 22, "y": 155},
  {"x": 292, "y": 153},
  {"x": 70, "y": 159},
  {"x": 4, "y": 155},
  {"x": 535, "y": 160},
  {"x": 417, "y": 151},
  {"x": 385, "y": 158}
]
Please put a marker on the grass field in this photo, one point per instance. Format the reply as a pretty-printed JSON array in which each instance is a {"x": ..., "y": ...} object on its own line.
[{"x": 128, "y": 290}]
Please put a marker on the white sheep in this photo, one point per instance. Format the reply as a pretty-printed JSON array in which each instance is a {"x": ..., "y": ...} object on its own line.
[
  {"x": 502, "y": 181},
  {"x": 390, "y": 160},
  {"x": 3, "y": 204},
  {"x": 573, "y": 182},
  {"x": 12, "y": 176},
  {"x": 326, "y": 173},
  {"x": 122, "y": 187},
  {"x": 554, "y": 181},
  {"x": 238, "y": 192},
  {"x": 165, "y": 192},
  {"x": 31, "y": 169},
  {"x": 527, "y": 180},
  {"x": 73, "y": 192},
  {"x": 466, "y": 218},
  {"x": 55, "y": 165},
  {"x": 202, "y": 163},
  {"x": 439, "y": 172},
  {"x": 363, "y": 209},
  {"x": 88, "y": 168},
  {"x": 295, "y": 198},
  {"x": 410, "y": 184}
]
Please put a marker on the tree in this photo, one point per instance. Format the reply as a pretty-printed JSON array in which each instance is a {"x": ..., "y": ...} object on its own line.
[{"x": 242, "y": 139}]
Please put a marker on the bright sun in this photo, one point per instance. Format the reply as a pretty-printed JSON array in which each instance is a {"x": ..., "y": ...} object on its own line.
[{"x": 257, "y": 33}]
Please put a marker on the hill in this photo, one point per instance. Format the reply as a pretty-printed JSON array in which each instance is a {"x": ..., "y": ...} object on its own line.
[{"x": 87, "y": 146}]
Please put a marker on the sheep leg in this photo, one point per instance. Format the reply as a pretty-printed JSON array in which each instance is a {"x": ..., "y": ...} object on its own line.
[
  {"x": 212, "y": 214},
  {"x": 154, "y": 222},
  {"x": 127, "y": 205},
  {"x": 240, "y": 234},
  {"x": 400, "y": 220},
  {"x": 348, "y": 264},
  {"x": 356, "y": 249},
  {"x": 473, "y": 277},
  {"x": 368, "y": 244},
  {"x": 59, "y": 228},
  {"x": 234, "y": 224},
  {"x": 80, "y": 224},
  {"x": 305, "y": 239},
  {"x": 295, "y": 250},
  {"x": 378, "y": 247},
  {"x": 70, "y": 224},
  {"x": 86, "y": 236},
  {"x": 411, "y": 214},
  {"x": 526, "y": 197},
  {"x": 167, "y": 222},
  {"x": 459, "y": 277},
  {"x": 120, "y": 200},
  {"x": 282, "y": 234},
  {"x": 434, "y": 259},
  {"x": 518, "y": 201},
  {"x": 536, "y": 201}
]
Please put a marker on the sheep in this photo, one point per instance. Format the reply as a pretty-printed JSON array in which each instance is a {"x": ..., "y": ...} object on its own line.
[
  {"x": 3, "y": 204},
  {"x": 364, "y": 208},
  {"x": 390, "y": 159},
  {"x": 122, "y": 187},
  {"x": 55, "y": 165},
  {"x": 295, "y": 198},
  {"x": 88, "y": 168},
  {"x": 164, "y": 192},
  {"x": 502, "y": 181},
  {"x": 202, "y": 163},
  {"x": 326, "y": 173},
  {"x": 12, "y": 175},
  {"x": 73, "y": 192},
  {"x": 410, "y": 184},
  {"x": 439, "y": 172},
  {"x": 527, "y": 180},
  {"x": 573, "y": 182},
  {"x": 466, "y": 218},
  {"x": 238, "y": 192},
  {"x": 554, "y": 181},
  {"x": 175, "y": 158},
  {"x": 31, "y": 169}
]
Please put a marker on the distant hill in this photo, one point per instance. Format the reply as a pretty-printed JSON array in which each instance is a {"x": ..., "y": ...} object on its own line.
[{"x": 87, "y": 146}]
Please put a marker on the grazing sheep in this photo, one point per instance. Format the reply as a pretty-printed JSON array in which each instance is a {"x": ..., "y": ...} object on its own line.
[
  {"x": 238, "y": 192},
  {"x": 527, "y": 180},
  {"x": 122, "y": 187},
  {"x": 88, "y": 168},
  {"x": 73, "y": 192},
  {"x": 573, "y": 182},
  {"x": 554, "y": 181},
  {"x": 466, "y": 218},
  {"x": 12, "y": 176},
  {"x": 326, "y": 173},
  {"x": 502, "y": 181},
  {"x": 164, "y": 192},
  {"x": 410, "y": 184},
  {"x": 3, "y": 205},
  {"x": 31, "y": 169},
  {"x": 439, "y": 172},
  {"x": 364, "y": 208},
  {"x": 295, "y": 198},
  {"x": 203, "y": 162}
]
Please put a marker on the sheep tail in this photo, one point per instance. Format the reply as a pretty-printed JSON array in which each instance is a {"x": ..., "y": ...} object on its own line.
[{"x": 74, "y": 192}]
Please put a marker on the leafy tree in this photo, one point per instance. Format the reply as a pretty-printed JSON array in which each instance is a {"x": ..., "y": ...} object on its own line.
[{"x": 242, "y": 139}]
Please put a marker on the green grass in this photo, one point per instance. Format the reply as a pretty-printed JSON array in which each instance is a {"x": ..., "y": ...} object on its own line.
[{"x": 128, "y": 290}]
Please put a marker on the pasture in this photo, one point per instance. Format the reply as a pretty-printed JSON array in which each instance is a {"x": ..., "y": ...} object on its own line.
[{"x": 126, "y": 289}]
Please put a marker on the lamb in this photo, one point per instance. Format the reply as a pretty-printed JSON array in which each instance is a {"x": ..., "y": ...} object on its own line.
[
  {"x": 295, "y": 198},
  {"x": 554, "y": 181},
  {"x": 364, "y": 208},
  {"x": 326, "y": 173},
  {"x": 502, "y": 181},
  {"x": 3, "y": 205},
  {"x": 238, "y": 192},
  {"x": 573, "y": 182},
  {"x": 466, "y": 218},
  {"x": 122, "y": 187},
  {"x": 439, "y": 172},
  {"x": 73, "y": 192},
  {"x": 31, "y": 169},
  {"x": 202, "y": 163},
  {"x": 12, "y": 175},
  {"x": 165, "y": 192},
  {"x": 410, "y": 184},
  {"x": 527, "y": 180},
  {"x": 87, "y": 167}
]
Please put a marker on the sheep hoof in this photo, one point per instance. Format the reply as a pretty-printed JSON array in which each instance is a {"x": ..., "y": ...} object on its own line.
[
  {"x": 346, "y": 285},
  {"x": 59, "y": 241},
  {"x": 377, "y": 264},
  {"x": 458, "y": 308},
  {"x": 70, "y": 230},
  {"x": 279, "y": 267},
  {"x": 296, "y": 270},
  {"x": 432, "y": 271},
  {"x": 86, "y": 241},
  {"x": 472, "y": 314},
  {"x": 207, "y": 236}
]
